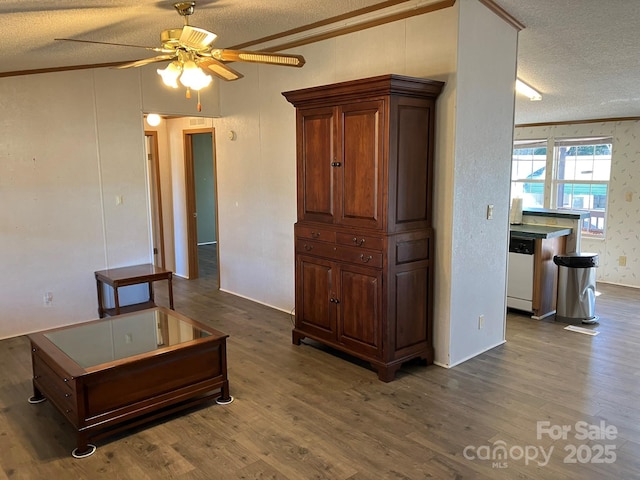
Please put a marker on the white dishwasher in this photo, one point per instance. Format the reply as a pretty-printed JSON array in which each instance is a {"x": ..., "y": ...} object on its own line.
[{"x": 520, "y": 274}]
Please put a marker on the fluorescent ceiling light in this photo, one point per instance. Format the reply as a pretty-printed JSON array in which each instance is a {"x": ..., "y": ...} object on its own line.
[{"x": 528, "y": 91}]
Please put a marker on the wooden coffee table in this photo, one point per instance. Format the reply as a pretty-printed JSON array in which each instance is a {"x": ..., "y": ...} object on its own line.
[{"x": 112, "y": 374}]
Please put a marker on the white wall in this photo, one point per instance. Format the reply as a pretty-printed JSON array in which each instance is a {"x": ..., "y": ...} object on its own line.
[
  {"x": 484, "y": 116},
  {"x": 70, "y": 144},
  {"x": 622, "y": 236}
]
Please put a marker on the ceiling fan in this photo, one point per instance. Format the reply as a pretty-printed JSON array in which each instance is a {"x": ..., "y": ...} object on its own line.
[{"x": 190, "y": 53}]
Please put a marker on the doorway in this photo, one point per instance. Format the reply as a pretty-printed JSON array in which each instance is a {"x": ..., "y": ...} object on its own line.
[
  {"x": 155, "y": 200},
  {"x": 201, "y": 202}
]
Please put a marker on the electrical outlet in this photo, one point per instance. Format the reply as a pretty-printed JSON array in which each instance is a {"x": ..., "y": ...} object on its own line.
[
  {"x": 622, "y": 260},
  {"x": 480, "y": 322},
  {"x": 628, "y": 196},
  {"x": 47, "y": 298},
  {"x": 128, "y": 338}
]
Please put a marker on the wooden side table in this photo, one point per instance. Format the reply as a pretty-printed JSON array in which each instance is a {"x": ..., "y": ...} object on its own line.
[{"x": 132, "y": 275}]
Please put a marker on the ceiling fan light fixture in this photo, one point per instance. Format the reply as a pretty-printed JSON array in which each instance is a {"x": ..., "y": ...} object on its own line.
[
  {"x": 170, "y": 74},
  {"x": 193, "y": 77}
]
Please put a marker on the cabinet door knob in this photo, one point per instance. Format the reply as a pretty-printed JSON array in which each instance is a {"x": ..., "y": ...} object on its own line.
[{"x": 365, "y": 259}]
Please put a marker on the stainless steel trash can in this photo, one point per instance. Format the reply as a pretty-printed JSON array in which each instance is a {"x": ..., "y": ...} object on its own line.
[{"x": 577, "y": 286}]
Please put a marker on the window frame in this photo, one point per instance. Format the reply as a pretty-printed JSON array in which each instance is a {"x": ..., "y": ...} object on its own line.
[
  {"x": 551, "y": 181},
  {"x": 600, "y": 228}
]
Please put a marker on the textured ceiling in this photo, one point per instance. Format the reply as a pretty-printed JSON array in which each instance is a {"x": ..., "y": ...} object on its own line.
[{"x": 581, "y": 54}]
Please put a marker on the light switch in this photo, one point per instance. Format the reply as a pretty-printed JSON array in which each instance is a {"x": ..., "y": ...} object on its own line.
[
  {"x": 119, "y": 199},
  {"x": 489, "y": 212}
]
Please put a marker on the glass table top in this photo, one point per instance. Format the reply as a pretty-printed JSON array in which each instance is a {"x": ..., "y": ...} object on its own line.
[{"x": 118, "y": 338}]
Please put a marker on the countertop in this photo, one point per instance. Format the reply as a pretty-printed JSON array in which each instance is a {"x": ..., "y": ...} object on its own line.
[
  {"x": 547, "y": 212},
  {"x": 525, "y": 230}
]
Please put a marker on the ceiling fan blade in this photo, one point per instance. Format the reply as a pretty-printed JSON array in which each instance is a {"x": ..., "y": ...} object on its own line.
[
  {"x": 219, "y": 69},
  {"x": 284, "y": 59},
  {"x": 196, "y": 38},
  {"x": 153, "y": 49},
  {"x": 146, "y": 61}
]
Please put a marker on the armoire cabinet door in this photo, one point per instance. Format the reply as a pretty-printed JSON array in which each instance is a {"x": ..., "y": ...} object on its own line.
[
  {"x": 316, "y": 169},
  {"x": 360, "y": 309},
  {"x": 359, "y": 192},
  {"x": 314, "y": 290}
]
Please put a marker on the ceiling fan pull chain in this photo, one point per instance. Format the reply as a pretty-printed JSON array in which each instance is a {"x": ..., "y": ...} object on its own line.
[{"x": 199, "y": 104}]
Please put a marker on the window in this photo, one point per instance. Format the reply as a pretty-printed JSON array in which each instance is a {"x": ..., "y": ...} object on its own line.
[
  {"x": 574, "y": 177},
  {"x": 581, "y": 180},
  {"x": 528, "y": 172}
]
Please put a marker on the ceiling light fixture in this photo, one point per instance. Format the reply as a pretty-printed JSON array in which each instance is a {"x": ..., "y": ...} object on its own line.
[
  {"x": 153, "y": 119},
  {"x": 528, "y": 91},
  {"x": 188, "y": 72}
]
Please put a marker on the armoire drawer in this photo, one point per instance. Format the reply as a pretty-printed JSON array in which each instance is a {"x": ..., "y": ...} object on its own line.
[
  {"x": 313, "y": 233},
  {"x": 356, "y": 255},
  {"x": 360, "y": 241}
]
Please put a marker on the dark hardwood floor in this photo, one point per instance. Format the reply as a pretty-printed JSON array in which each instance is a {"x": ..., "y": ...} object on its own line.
[{"x": 308, "y": 413}]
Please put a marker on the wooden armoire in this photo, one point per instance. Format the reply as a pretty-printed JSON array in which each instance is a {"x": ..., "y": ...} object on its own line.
[{"x": 364, "y": 233}]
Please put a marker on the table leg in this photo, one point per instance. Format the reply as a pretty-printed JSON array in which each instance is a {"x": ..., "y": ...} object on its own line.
[
  {"x": 116, "y": 300},
  {"x": 83, "y": 448},
  {"x": 100, "y": 298},
  {"x": 37, "y": 396},
  {"x": 170, "y": 291},
  {"x": 224, "y": 398}
]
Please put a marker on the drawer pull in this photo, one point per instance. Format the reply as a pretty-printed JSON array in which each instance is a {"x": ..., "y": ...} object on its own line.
[
  {"x": 365, "y": 259},
  {"x": 336, "y": 164},
  {"x": 358, "y": 242},
  {"x": 65, "y": 380},
  {"x": 308, "y": 248},
  {"x": 315, "y": 234},
  {"x": 67, "y": 395},
  {"x": 334, "y": 300}
]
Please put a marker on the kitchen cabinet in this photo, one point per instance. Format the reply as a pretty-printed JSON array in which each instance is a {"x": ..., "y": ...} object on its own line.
[{"x": 363, "y": 236}]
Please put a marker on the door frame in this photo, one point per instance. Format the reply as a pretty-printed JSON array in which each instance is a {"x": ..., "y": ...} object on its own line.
[
  {"x": 155, "y": 194},
  {"x": 190, "y": 199}
]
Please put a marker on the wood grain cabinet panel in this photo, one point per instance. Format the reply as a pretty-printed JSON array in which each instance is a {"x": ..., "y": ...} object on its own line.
[{"x": 363, "y": 236}]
